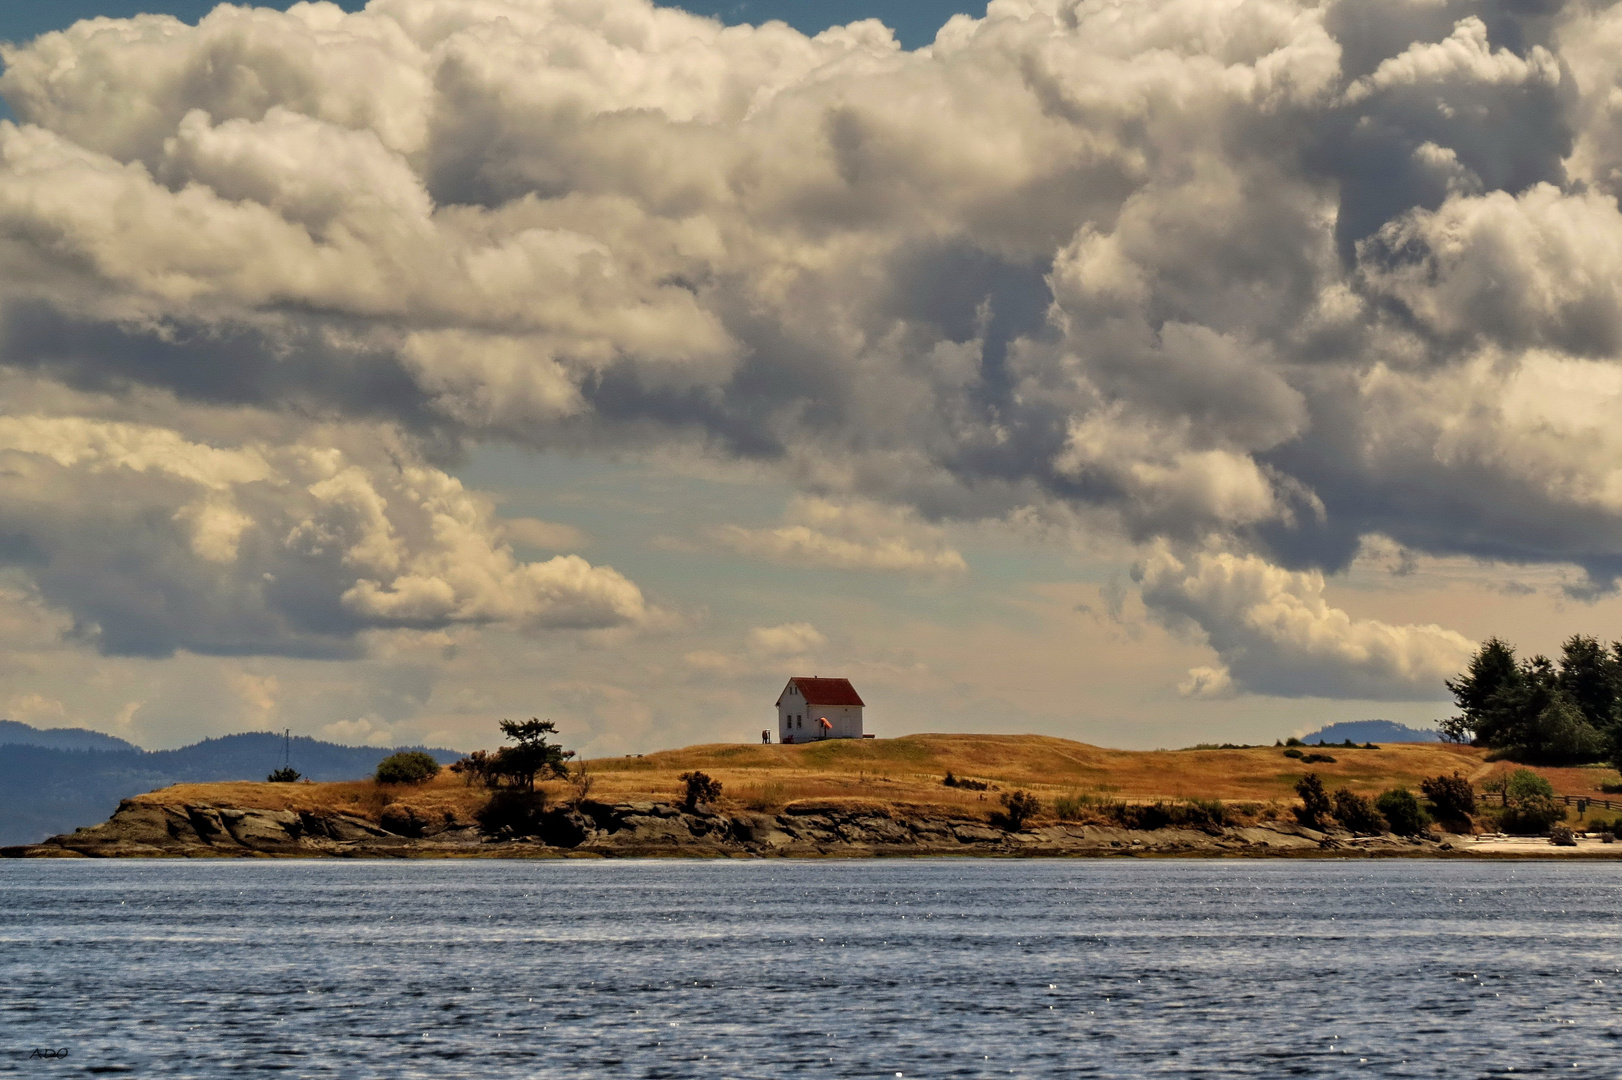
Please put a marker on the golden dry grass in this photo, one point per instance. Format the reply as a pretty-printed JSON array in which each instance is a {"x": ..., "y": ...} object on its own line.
[{"x": 908, "y": 771}]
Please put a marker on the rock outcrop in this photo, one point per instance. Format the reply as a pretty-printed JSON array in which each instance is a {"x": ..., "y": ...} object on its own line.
[{"x": 592, "y": 828}]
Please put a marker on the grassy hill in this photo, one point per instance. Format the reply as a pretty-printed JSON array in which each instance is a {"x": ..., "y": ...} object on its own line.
[{"x": 909, "y": 771}]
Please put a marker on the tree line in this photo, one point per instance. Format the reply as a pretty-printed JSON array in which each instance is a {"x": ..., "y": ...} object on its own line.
[{"x": 1538, "y": 710}]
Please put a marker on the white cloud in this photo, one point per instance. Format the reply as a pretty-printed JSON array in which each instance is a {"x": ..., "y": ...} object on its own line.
[
  {"x": 789, "y": 639},
  {"x": 1253, "y": 273},
  {"x": 1276, "y": 633},
  {"x": 837, "y": 536},
  {"x": 162, "y": 542}
]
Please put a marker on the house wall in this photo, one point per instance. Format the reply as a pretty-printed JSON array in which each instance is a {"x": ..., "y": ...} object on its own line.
[{"x": 797, "y": 719}]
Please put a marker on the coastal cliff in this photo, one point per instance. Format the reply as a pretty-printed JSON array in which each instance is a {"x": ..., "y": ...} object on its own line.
[{"x": 143, "y": 828}]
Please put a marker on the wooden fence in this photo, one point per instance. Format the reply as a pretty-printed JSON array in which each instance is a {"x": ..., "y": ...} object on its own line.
[{"x": 1581, "y": 802}]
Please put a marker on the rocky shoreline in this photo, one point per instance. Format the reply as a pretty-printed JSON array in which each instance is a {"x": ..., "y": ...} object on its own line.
[{"x": 142, "y": 828}]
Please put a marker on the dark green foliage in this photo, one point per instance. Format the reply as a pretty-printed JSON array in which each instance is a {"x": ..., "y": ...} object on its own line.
[
  {"x": 1310, "y": 759},
  {"x": 1356, "y": 813},
  {"x": 965, "y": 784},
  {"x": 284, "y": 775},
  {"x": 1292, "y": 752},
  {"x": 406, "y": 767},
  {"x": 1071, "y": 807},
  {"x": 531, "y": 754},
  {"x": 478, "y": 767},
  {"x": 1195, "y": 813},
  {"x": 1018, "y": 808},
  {"x": 1402, "y": 811},
  {"x": 1315, "y": 806},
  {"x": 1451, "y": 797},
  {"x": 1532, "y": 710},
  {"x": 511, "y": 812},
  {"x": 701, "y": 788},
  {"x": 1293, "y": 741},
  {"x": 1530, "y": 807}
]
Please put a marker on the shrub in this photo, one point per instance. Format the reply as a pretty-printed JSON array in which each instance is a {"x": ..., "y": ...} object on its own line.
[
  {"x": 1315, "y": 806},
  {"x": 700, "y": 788},
  {"x": 1356, "y": 813},
  {"x": 1071, "y": 807},
  {"x": 1309, "y": 759},
  {"x": 1293, "y": 741},
  {"x": 1451, "y": 797},
  {"x": 1292, "y": 752},
  {"x": 1529, "y": 803},
  {"x": 283, "y": 775},
  {"x": 478, "y": 767},
  {"x": 964, "y": 784},
  {"x": 407, "y": 767},
  {"x": 1402, "y": 812},
  {"x": 1018, "y": 808}
]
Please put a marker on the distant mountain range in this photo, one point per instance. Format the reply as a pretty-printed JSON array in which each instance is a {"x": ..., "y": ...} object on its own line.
[
  {"x": 1374, "y": 731},
  {"x": 55, "y": 780}
]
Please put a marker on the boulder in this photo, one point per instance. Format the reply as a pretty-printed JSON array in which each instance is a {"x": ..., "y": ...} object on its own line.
[
  {"x": 760, "y": 829},
  {"x": 977, "y": 834},
  {"x": 261, "y": 829}
]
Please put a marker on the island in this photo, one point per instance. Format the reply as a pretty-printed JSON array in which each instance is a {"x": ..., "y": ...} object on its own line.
[{"x": 1005, "y": 795}]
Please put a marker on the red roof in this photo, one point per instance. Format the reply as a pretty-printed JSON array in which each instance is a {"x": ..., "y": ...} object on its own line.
[{"x": 827, "y": 691}]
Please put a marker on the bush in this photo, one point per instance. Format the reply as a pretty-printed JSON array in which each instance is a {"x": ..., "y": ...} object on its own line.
[
  {"x": 1292, "y": 752},
  {"x": 965, "y": 785},
  {"x": 700, "y": 789},
  {"x": 511, "y": 812},
  {"x": 1402, "y": 812},
  {"x": 1018, "y": 808},
  {"x": 1529, "y": 804},
  {"x": 1357, "y": 814},
  {"x": 1315, "y": 806},
  {"x": 1071, "y": 807},
  {"x": 284, "y": 775},
  {"x": 407, "y": 767},
  {"x": 1309, "y": 759},
  {"x": 1195, "y": 814},
  {"x": 1452, "y": 799}
]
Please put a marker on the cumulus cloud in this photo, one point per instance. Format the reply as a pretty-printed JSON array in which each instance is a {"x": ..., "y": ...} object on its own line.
[
  {"x": 789, "y": 639},
  {"x": 1275, "y": 633},
  {"x": 155, "y": 542},
  {"x": 838, "y": 536},
  {"x": 1258, "y": 276}
]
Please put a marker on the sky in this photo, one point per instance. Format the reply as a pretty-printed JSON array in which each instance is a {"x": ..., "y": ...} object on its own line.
[{"x": 1145, "y": 373}]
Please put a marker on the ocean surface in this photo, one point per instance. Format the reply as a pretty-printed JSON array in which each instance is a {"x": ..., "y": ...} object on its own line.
[{"x": 928, "y": 968}]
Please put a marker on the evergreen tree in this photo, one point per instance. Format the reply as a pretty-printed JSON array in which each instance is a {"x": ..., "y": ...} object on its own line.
[{"x": 1480, "y": 691}]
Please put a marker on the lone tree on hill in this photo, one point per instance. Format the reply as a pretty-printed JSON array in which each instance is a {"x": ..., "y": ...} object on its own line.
[
  {"x": 532, "y": 754},
  {"x": 284, "y": 775},
  {"x": 701, "y": 788}
]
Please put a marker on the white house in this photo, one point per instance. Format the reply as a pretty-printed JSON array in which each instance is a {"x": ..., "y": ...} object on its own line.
[{"x": 816, "y": 708}]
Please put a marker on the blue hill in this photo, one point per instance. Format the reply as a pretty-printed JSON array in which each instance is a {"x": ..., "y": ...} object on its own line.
[
  {"x": 1374, "y": 731},
  {"x": 52, "y": 788}
]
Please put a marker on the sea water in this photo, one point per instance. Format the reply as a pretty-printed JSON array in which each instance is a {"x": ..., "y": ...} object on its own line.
[{"x": 914, "y": 968}]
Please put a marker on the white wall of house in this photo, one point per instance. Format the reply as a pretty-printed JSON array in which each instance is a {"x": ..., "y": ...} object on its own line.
[{"x": 797, "y": 721}]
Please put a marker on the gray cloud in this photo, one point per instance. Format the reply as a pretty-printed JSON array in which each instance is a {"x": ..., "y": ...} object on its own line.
[{"x": 1255, "y": 274}]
